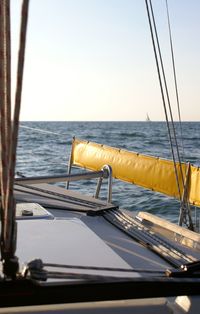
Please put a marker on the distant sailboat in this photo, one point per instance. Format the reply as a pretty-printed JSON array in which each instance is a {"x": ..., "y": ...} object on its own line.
[{"x": 147, "y": 118}]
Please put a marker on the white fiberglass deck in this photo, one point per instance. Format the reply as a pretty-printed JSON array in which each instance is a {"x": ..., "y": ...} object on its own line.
[{"x": 66, "y": 241}]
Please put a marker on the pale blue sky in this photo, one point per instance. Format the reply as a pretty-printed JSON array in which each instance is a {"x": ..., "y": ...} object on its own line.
[{"x": 93, "y": 59}]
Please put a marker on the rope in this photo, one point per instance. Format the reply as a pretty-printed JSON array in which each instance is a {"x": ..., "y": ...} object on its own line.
[
  {"x": 9, "y": 133},
  {"x": 2, "y": 108},
  {"x": 8, "y": 74},
  {"x": 36, "y": 270},
  {"x": 5, "y": 118},
  {"x": 99, "y": 268}
]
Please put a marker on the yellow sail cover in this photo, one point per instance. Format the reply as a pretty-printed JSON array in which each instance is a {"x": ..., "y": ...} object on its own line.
[{"x": 146, "y": 171}]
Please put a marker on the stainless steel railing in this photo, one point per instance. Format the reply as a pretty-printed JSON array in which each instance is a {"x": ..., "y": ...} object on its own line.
[{"x": 104, "y": 173}]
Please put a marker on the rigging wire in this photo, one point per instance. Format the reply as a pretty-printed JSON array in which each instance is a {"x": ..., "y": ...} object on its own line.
[
  {"x": 42, "y": 130},
  {"x": 168, "y": 98},
  {"x": 175, "y": 77},
  {"x": 166, "y": 90},
  {"x": 161, "y": 86},
  {"x": 185, "y": 208}
]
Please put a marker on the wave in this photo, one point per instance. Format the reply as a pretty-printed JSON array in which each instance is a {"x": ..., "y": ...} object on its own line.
[{"x": 44, "y": 153}]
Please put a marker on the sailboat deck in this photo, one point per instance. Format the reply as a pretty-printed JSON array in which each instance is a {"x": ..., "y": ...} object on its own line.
[{"x": 71, "y": 214}]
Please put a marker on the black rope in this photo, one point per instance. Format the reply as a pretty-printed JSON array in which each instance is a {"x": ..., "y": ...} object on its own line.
[
  {"x": 112, "y": 269},
  {"x": 35, "y": 269}
]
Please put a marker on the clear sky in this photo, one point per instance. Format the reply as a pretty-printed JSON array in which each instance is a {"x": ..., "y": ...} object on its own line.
[{"x": 93, "y": 59}]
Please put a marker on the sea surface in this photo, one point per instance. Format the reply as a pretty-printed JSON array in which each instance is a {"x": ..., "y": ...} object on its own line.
[{"x": 44, "y": 148}]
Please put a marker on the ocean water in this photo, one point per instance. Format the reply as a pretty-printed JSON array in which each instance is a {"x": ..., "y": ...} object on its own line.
[{"x": 44, "y": 148}]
